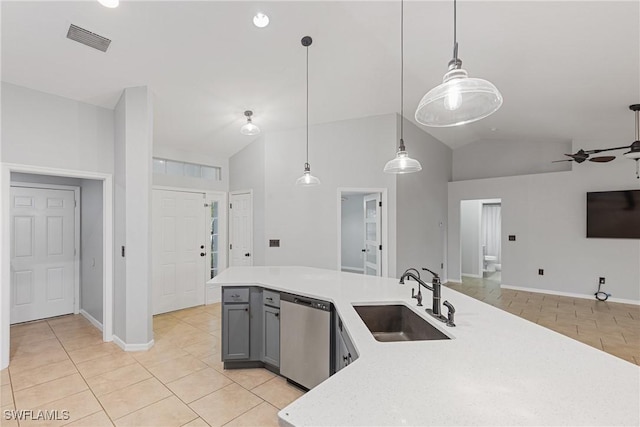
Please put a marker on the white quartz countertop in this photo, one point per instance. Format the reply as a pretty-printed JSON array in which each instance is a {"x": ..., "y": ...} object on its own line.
[{"x": 497, "y": 369}]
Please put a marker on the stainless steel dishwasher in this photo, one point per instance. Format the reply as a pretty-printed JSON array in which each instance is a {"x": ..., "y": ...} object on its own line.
[{"x": 305, "y": 339}]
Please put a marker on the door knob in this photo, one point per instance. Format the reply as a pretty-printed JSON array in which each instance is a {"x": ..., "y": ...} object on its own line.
[
  {"x": 364, "y": 250},
  {"x": 202, "y": 254},
  {"x": 247, "y": 254},
  {"x": 201, "y": 246}
]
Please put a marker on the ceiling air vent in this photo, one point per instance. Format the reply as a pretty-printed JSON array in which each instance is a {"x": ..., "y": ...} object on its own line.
[{"x": 88, "y": 38}]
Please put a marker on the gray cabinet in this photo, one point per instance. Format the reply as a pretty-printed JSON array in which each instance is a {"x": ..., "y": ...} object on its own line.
[
  {"x": 235, "y": 345},
  {"x": 236, "y": 317},
  {"x": 345, "y": 351},
  {"x": 271, "y": 335}
]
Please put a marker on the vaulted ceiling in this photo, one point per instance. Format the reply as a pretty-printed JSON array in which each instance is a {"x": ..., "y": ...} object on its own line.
[{"x": 566, "y": 69}]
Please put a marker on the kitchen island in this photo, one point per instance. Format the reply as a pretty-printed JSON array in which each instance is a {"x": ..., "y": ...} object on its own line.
[{"x": 497, "y": 368}]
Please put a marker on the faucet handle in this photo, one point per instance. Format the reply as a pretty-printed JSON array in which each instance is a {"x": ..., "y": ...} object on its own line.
[
  {"x": 417, "y": 296},
  {"x": 450, "y": 313}
]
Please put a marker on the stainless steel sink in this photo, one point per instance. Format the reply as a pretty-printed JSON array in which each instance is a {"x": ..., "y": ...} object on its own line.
[{"x": 397, "y": 322}]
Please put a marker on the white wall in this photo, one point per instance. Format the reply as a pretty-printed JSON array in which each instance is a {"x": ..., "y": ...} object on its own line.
[
  {"x": 134, "y": 141},
  {"x": 422, "y": 203},
  {"x": 352, "y": 223},
  {"x": 470, "y": 229},
  {"x": 348, "y": 154},
  {"x": 496, "y": 158},
  {"x": 91, "y": 259},
  {"x": 547, "y": 213},
  {"x": 43, "y": 130},
  {"x": 247, "y": 172},
  {"x": 190, "y": 182},
  {"x": 40, "y": 129}
]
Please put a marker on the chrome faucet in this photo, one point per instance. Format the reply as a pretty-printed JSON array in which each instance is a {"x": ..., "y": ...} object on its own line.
[{"x": 435, "y": 311}]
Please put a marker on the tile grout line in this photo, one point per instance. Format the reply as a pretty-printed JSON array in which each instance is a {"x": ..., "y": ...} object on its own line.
[{"x": 83, "y": 379}]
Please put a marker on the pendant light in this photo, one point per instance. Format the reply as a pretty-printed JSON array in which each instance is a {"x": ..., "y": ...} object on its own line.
[
  {"x": 249, "y": 128},
  {"x": 402, "y": 163},
  {"x": 459, "y": 99},
  {"x": 307, "y": 180}
]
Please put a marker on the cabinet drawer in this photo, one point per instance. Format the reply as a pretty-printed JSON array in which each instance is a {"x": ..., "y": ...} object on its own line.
[
  {"x": 271, "y": 298},
  {"x": 235, "y": 295}
]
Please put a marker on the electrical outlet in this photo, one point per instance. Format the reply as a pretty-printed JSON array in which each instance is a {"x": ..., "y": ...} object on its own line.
[
  {"x": 601, "y": 281},
  {"x": 541, "y": 272}
]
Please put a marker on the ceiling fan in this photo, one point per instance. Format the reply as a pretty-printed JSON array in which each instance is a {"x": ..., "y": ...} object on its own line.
[{"x": 633, "y": 153}]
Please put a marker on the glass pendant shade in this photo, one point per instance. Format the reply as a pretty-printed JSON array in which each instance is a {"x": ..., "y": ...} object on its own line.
[
  {"x": 249, "y": 129},
  {"x": 402, "y": 164},
  {"x": 307, "y": 180},
  {"x": 458, "y": 100},
  {"x": 109, "y": 3}
]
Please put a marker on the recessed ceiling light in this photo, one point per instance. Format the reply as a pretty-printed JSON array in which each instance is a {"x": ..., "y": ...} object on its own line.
[
  {"x": 109, "y": 3},
  {"x": 260, "y": 20}
]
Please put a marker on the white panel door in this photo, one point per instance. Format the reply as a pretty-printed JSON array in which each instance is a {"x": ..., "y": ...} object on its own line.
[
  {"x": 179, "y": 250},
  {"x": 42, "y": 253},
  {"x": 372, "y": 232},
  {"x": 240, "y": 230}
]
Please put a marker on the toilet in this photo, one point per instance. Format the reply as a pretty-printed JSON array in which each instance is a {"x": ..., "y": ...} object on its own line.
[{"x": 490, "y": 263}]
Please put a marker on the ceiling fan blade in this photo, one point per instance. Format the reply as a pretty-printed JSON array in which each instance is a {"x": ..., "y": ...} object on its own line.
[
  {"x": 558, "y": 161},
  {"x": 602, "y": 159}
]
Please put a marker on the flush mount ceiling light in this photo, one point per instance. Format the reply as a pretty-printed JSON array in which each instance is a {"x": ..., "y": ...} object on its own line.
[
  {"x": 402, "y": 163},
  {"x": 260, "y": 20},
  {"x": 249, "y": 128},
  {"x": 109, "y": 3},
  {"x": 459, "y": 99},
  {"x": 307, "y": 180}
]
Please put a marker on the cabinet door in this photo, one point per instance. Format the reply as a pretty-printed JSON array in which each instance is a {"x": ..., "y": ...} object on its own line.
[
  {"x": 271, "y": 335},
  {"x": 236, "y": 332},
  {"x": 342, "y": 353}
]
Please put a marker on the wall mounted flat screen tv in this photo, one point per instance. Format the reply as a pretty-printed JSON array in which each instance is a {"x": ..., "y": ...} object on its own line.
[{"x": 614, "y": 214}]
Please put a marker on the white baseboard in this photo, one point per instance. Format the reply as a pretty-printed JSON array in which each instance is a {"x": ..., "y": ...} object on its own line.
[
  {"x": 132, "y": 347},
  {"x": 351, "y": 269},
  {"x": 454, "y": 280},
  {"x": 567, "y": 294},
  {"x": 475, "y": 276},
  {"x": 91, "y": 319}
]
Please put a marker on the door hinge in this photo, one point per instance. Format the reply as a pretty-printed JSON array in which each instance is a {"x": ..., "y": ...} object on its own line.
[
  {"x": 230, "y": 246},
  {"x": 75, "y": 252},
  {"x": 230, "y": 205},
  {"x": 380, "y": 204},
  {"x": 380, "y": 247},
  {"x": 75, "y": 203}
]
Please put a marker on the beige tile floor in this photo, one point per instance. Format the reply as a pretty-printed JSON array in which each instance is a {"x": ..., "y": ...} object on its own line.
[
  {"x": 62, "y": 364},
  {"x": 610, "y": 327}
]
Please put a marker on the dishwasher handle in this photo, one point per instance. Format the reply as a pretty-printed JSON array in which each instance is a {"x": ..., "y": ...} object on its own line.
[{"x": 302, "y": 301}]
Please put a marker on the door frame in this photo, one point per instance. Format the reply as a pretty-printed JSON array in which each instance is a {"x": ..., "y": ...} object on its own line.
[
  {"x": 76, "y": 228},
  {"x": 223, "y": 242},
  {"x": 229, "y": 227},
  {"x": 5, "y": 253},
  {"x": 384, "y": 223}
]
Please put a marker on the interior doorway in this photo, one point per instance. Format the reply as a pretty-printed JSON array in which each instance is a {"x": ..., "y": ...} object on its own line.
[
  {"x": 362, "y": 231},
  {"x": 481, "y": 239},
  {"x": 95, "y": 297},
  {"x": 240, "y": 228}
]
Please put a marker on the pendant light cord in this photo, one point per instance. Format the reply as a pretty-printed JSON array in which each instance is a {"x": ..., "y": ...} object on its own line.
[
  {"x": 307, "y": 165},
  {"x": 455, "y": 33},
  {"x": 402, "y": 147}
]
